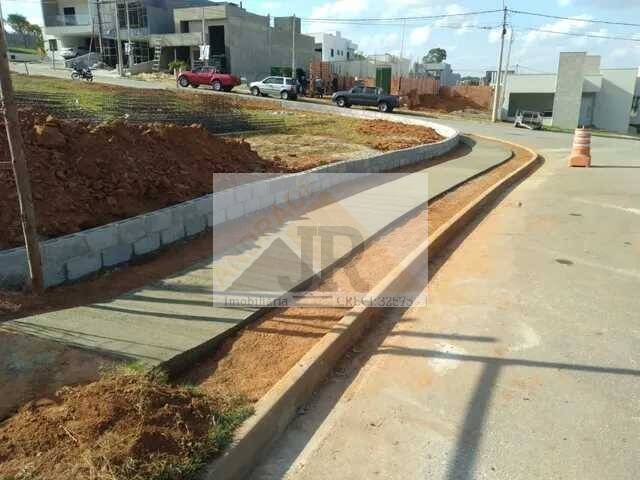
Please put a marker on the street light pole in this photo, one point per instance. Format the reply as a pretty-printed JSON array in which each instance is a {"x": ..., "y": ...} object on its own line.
[{"x": 20, "y": 170}]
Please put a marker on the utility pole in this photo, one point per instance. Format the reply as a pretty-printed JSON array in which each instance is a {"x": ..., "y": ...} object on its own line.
[
  {"x": 495, "y": 114},
  {"x": 99, "y": 15},
  {"x": 506, "y": 69},
  {"x": 126, "y": 12},
  {"x": 20, "y": 171},
  {"x": 293, "y": 47},
  {"x": 118, "y": 42}
]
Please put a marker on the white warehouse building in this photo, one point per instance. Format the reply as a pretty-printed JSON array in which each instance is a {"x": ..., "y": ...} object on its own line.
[{"x": 581, "y": 93}]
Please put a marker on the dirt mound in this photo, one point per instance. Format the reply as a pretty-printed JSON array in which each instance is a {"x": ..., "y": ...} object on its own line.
[
  {"x": 394, "y": 136},
  {"x": 122, "y": 426},
  {"x": 446, "y": 104},
  {"x": 84, "y": 175}
]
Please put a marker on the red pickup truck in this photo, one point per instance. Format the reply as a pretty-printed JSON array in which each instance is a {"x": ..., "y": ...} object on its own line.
[{"x": 208, "y": 76}]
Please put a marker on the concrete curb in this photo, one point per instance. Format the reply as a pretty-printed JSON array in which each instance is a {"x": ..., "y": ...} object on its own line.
[
  {"x": 72, "y": 257},
  {"x": 277, "y": 408}
]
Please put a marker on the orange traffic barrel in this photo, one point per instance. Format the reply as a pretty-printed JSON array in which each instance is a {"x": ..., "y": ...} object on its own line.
[{"x": 581, "y": 150}]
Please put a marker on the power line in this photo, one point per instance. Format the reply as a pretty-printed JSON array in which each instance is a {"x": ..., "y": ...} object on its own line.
[
  {"x": 587, "y": 35},
  {"x": 395, "y": 19},
  {"x": 556, "y": 17}
]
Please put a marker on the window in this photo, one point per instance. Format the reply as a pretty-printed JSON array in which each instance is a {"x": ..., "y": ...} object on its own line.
[
  {"x": 332, "y": 53},
  {"x": 357, "y": 90},
  {"x": 290, "y": 81},
  {"x": 184, "y": 26},
  {"x": 69, "y": 16},
  {"x": 371, "y": 91}
]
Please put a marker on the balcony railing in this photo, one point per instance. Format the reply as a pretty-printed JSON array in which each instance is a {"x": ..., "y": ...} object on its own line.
[{"x": 67, "y": 20}]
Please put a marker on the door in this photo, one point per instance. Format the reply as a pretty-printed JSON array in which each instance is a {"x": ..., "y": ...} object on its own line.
[
  {"x": 586, "y": 111},
  {"x": 383, "y": 78},
  {"x": 357, "y": 96},
  {"x": 371, "y": 96},
  {"x": 217, "y": 49}
]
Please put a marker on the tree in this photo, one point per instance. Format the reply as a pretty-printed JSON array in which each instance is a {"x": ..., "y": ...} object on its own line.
[
  {"x": 435, "y": 55},
  {"x": 36, "y": 31},
  {"x": 18, "y": 23}
]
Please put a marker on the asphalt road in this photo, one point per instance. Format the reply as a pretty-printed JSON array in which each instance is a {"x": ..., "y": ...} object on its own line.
[{"x": 524, "y": 365}]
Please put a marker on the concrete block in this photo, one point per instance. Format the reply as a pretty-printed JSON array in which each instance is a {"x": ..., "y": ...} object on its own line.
[
  {"x": 172, "y": 234},
  {"x": 242, "y": 193},
  {"x": 147, "y": 244},
  {"x": 194, "y": 225},
  {"x": 54, "y": 273},
  {"x": 266, "y": 201},
  {"x": 61, "y": 249},
  {"x": 102, "y": 237},
  {"x": 79, "y": 267},
  {"x": 216, "y": 218},
  {"x": 14, "y": 270},
  {"x": 224, "y": 199},
  {"x": 116, "y": 255},
  {"x": 131, "y": 230},
  {"x": 204, "y": 205},
  {"x": 158, "y": 220},
  {"x": 252, "y": 205},
  {"x": 234, "y": 211},
  {"x": 282, "y": 197}
]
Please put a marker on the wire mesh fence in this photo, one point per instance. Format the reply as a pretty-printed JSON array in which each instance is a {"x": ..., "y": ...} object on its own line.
[{"x": 206, "y": 110}]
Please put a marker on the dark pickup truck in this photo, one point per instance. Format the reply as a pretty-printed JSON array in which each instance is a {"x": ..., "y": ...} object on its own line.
[{"x": 367, "y": 96}]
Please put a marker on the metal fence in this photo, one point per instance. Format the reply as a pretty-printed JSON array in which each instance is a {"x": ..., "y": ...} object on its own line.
[{"x": 216, "y": 116}]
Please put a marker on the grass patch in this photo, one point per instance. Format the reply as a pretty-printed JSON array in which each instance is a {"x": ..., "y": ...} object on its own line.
[
  {"x": 128, "y": 425},
  {"x": 27, "y": 51}
]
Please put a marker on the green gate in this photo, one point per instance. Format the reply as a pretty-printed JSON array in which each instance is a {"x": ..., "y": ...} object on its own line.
[{"x": 383, "y": 78}]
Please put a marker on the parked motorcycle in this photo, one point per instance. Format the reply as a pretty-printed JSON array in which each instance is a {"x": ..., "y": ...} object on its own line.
[{"x": 82, "y": 74}]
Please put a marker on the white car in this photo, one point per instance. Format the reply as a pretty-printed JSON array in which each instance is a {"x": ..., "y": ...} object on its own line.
[
  {"x": 284, "y": 87},
  {"x": 73, "y": 52}
]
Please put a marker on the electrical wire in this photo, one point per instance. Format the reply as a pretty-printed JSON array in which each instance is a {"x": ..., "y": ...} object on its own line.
[
  {"x": 585, "y": 20},
  {"x": 586, "y": 35}
]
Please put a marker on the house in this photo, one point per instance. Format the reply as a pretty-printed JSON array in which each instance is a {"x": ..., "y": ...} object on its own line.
[
  {"x": 442, "y": 71},
  {"x": 155, "y": 32},
  {"x": 333, "y": 47},
  {"x": 239, "y": 42},
  {"x": 580, "y": 93}
]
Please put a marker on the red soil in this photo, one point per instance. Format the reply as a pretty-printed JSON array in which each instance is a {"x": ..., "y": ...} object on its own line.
[{"x": 84, "y": 175}]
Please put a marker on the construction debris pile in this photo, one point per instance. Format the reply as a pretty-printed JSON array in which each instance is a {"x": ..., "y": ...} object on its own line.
[{"x": 85, "y": 174}]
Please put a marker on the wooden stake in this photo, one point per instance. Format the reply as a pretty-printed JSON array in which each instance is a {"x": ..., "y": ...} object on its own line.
[{"x": 20, "y": 171}]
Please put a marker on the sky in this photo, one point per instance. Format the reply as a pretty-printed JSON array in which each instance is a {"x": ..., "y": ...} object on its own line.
[{"x": 470, "y": 49}]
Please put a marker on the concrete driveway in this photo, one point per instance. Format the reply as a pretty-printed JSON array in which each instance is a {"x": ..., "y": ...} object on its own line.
[{"x": 526, "y": 362}]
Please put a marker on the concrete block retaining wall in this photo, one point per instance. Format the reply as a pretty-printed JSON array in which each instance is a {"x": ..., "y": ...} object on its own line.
[{"x": 75, "y": 256}]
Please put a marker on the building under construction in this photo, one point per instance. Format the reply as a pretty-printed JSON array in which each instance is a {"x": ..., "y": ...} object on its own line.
[{"x": 152, "y": 33}]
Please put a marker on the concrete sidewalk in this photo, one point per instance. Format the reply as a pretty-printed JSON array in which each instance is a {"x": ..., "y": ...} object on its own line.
[
  {"x": 525, "y": 363},
  {"x": 165, "y": 319}
]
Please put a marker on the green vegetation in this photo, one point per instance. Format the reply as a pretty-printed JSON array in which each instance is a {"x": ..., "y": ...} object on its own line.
[{"x": 27, "y": 51}]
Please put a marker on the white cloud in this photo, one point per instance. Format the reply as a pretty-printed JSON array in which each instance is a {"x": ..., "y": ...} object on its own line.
[
  {"x": 460, "y": 24},
  {"x": 419, "y": 36},
  {"x": 565, "y": 3}
]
